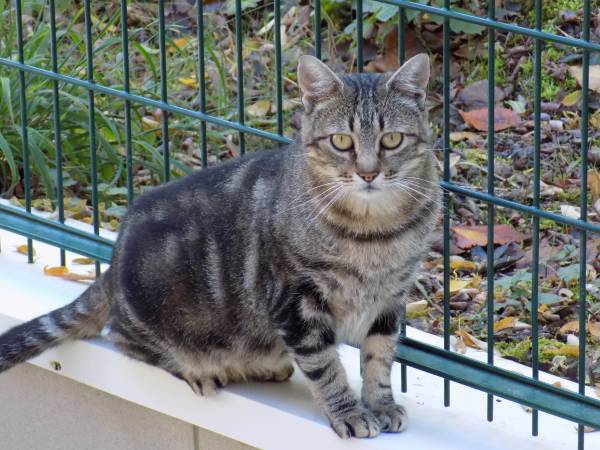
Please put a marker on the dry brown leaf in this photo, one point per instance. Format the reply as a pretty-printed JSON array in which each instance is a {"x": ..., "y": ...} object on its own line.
[
  {"x": 181, "y": 42},
  {"x": 577, "y": 72},
  {"x": 457, "y": 136},
  {"x": 503, "y": 118},
  {"x": 470, "y": 340},
  {"x": 557, "y": 384},
  {"x": 502, "y": 324},
  {"x": 594, "y": 328},
  {"x": 572, "y": 326},
  {"x": 467, "y": 237}
]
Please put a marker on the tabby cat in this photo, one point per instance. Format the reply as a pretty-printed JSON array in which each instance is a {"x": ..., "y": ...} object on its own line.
[{"x": 238, "y": 270}]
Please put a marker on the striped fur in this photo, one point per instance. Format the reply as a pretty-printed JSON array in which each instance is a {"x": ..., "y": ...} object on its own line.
[{"x": 236, "y": 271}]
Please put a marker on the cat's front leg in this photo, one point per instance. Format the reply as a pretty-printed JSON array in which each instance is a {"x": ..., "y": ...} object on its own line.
[
  {"x": 377, "y": 355},
  {"x": 309, "y": 335}
]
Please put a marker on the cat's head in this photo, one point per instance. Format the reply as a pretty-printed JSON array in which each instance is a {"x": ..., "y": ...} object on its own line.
[{"x": 365, "y": 134}]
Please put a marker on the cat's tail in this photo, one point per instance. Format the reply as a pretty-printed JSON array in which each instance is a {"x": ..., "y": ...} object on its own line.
[{"x": 83, "y": 318}]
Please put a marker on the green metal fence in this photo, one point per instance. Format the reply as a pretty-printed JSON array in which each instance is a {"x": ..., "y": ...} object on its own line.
[{"x": 540, "y": 396}]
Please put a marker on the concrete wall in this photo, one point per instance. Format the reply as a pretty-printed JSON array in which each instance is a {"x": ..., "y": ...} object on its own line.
[{"x": 45, "y": 411}]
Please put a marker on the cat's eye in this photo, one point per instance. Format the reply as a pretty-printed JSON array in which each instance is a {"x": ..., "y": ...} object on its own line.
[
  {"x": 342, "y": 141},
  {"x": 391, "y": 140}
]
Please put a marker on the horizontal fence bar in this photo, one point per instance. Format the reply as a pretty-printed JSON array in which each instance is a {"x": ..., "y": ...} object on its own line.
[
  {"x": 520, "y": 207},
  {"x": 55, "y": 233},
  {"x": 145, "y": 101},
  {"x": 509, "y": 385},
  {"x": 493, "y": 24}
]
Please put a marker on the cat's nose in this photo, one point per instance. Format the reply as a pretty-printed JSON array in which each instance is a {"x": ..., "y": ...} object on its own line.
[{"x": 368, "y": 176}]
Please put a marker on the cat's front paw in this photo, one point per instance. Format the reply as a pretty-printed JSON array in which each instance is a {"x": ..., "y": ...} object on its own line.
[
  {"x": 358, "y": 422},
  {"x": 391, "y": 417}
]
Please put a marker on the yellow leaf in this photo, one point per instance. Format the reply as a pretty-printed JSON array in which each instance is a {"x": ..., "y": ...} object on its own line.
[
  {"x": 565, "y": 350},
  {"x": 594, "y": 328},
  {"x": 572, "y": 98},
  {"x": 415, "y": 307},
  {"x": 189, "y": 82},
  {"x": 459, "y": 263},
  {"x": 82, "y": 261},
  {"x": 456, "y": 285},
  {"x": 181, "y": 42},
  {"x": 471, "y": 341},
  {"x": 543, "y": 308},
  {"x": 87, "y": 220},
  {"x": 149, "y": 123},
  {"x": 572, "y": 326},
  {"x": 457, "y": 136},
  {"x": 56, "y": 271},
  {"x": 507, "y": 322},
  {"x": 557, "y": 384},
  {"x": 260, "y": 108},
  {"x": 23, "y": 249}
]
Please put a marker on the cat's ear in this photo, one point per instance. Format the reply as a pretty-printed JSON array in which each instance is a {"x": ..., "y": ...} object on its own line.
[
  {"x": 316, "y": 81},
  {"x": 412, "y": 77}
]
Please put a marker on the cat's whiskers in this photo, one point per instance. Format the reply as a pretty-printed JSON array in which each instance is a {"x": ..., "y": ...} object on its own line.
[
  {"x": 301, "y": 200},
  {"x": 406, "y": 187},
  {"x": 337, "y": 196}
]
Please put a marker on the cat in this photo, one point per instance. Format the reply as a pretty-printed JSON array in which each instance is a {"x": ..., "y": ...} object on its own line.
[{"x": 236, "y": 271}]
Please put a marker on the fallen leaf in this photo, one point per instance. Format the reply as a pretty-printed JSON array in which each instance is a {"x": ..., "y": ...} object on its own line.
[
  {"x": 458, "y": 345},
  {"x": 594, "y": 328},
  {"x": 63, "y": 272},
  {"x": 594, "y": 184},
  {"x": 457, "y": 136},
  {"x": 456, "y": 285},
  {"x": 572, "y": 326},
  {"x": 181, "y": 42},
  {"x": 417, "y": 306},
  {"x": 260, "y": 108},
  {"x": 23, "y": 249},
  {"x": 82, "y": 261},
  {"x": 475, "y": 95},
  {"x": 189, "y": 82},
  {"x": 503, "y": 324},
  {"x": 460, "y": 263},
  {"x": 572, "y": 98},
  {"x": 56, "y": 271},
  {"x": 470, "y": 340},
  {"x": 565, "y": 350},
  {"x": 472, "y": 236},
  {"x": 557, "y": 384},
  {"x": 594, "y": 79},
  {"x": 503, "y": 118}
]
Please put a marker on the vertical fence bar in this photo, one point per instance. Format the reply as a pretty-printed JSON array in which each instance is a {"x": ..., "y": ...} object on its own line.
[
  {"x": 278, "y": 80},
  {"x": 317, "y": 28},
  {"x": 163, "y": 89},
  {"x": 57, "y": 128},
  {"x": 583, "y": 214},
  {"x": 126, "y": 86},
  {"x": 359, "y": 36},
  {"x": 24, "y": 132},
  {"x": 401, "y": 35},
  {"x": 202, "y": 81},
  {"x": 535, "y": 274},
  {"x": 89, "y": 50},
  {"x": 446, "y": 143},
  {"x": 240, "y": 70},
  {"x": 490, "y": 190}
]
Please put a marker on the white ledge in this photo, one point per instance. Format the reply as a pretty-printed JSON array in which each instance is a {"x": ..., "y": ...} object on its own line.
[{"x": 271, "y": 415}]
